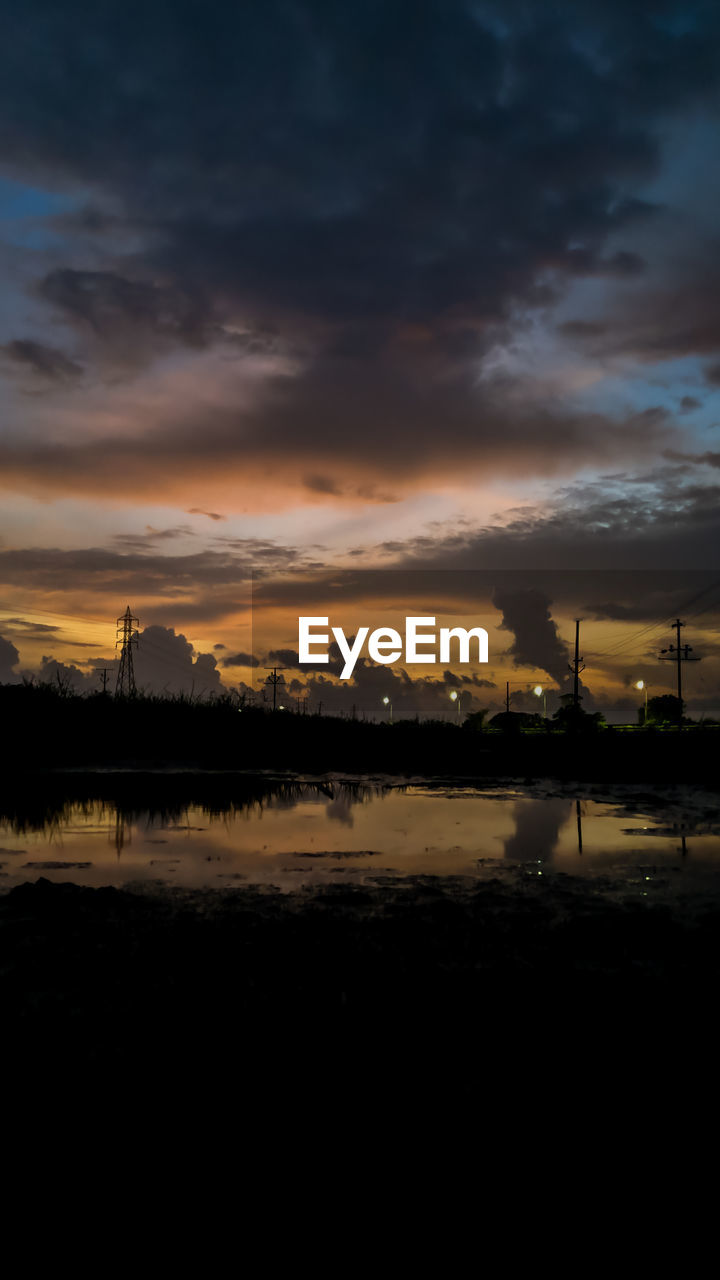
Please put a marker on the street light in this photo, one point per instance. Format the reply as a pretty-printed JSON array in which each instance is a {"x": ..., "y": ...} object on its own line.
[
  {"x": 541, "y": 693},
  {"x": 642, "y": 684},
  {"x": 454, "y": 697},
  {"x": 388, "y": 703},
  {"x": 508, "y": 683}
]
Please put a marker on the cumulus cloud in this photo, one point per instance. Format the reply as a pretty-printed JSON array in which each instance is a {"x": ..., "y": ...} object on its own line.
[
  {"x": 164, "y": 662},
  {"x": 9, "y": 658},
  {"x": 66, "y": 676},
  {"x": 536, "y": 642}
]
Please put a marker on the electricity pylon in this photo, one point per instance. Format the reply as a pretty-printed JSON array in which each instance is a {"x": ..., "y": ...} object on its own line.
[{"x": 128, "y": 638}]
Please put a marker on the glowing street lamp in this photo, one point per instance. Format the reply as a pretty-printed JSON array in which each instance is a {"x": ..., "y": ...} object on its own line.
[
  {"x": 642, "y": 684},
  {"x": 388, "y": 703},
  {"x": 455, "y": 697},
  {"x": 541, "y": 693}
]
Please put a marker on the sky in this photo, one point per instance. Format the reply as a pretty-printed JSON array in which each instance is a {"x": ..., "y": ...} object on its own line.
[{"x": 399, "y": 285}]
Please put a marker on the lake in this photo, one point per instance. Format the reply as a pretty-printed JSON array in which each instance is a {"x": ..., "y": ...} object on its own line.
[{"x": 291, "y": 833}]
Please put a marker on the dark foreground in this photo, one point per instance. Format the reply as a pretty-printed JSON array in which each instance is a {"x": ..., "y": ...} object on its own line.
[
  {"x": 510, "y": 979},
  {"x": 44, "y": 730}
]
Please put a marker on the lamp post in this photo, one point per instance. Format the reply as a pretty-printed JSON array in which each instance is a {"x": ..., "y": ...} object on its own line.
[
  {"x": 541, "y": 693},
  {"x": 455, "y": 697},
  {"x": 642, "y": 684},
  {"x": 388, "y": 703},
  {"x": 538, "y": 690}
]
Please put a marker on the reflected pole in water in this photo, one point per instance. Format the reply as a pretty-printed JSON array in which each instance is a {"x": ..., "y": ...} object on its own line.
[
  {"x": 578, "y": 814},
  {"x": 119, "y": 837}
]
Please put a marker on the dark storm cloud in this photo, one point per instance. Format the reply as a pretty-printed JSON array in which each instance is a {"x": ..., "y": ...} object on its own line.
[
  {"x": 359, "y": 423},
  {"x": 47, "y": 363},
  {"x": 649, "y": 595},
  {"x": 290, "y": 658},
  {"x": 144, "y": 541},
  {"x": 30, "y": 630},
  {"x": 389, "y": 159},
  {"x": 663, "y": 598},
  {"x": 594, "y": 527},
  {"x": 239, "y": 659},
  {"x": 204, "y": 587},
  {"x": 100, "y": 568},
  {"x": 376, "y": 187},
  {"x": 582, "y": 329},
  {"x": 675, "y": 314},
  {"x": 128, "y": 316},
  {"x": 536, "y": 643},
  {"x": 707, "y": 459}
]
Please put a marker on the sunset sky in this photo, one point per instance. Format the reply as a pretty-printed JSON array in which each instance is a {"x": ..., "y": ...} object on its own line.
[{"x": 307, "y": 285}]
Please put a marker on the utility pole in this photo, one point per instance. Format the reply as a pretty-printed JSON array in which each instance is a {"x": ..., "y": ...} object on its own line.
[
  {"x": 507, "y": 696},
  {"x": 128, "y": 638},
  {"x": 678, "y": 654},
  {"x": 576, "y": 666},
  {"x": 274, "y": 679},
  {"x": 104, "y": 677}
]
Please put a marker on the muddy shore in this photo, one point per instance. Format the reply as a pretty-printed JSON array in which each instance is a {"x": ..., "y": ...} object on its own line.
[{"x": 160, "y": 976}]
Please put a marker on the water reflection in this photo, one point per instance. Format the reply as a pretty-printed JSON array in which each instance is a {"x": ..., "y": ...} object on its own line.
[
  {"x": 537, "y": 829},
  {"x": 200, "y": 829}
]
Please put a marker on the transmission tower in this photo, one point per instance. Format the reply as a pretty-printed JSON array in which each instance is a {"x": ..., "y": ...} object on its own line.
[{"x": 127, "y": 636}]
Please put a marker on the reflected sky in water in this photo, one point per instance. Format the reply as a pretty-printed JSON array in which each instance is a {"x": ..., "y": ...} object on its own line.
[{"x": 320, "y": 832}]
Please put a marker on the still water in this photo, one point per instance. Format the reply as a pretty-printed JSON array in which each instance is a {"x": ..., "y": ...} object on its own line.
[{"x": 290, "y": 834}]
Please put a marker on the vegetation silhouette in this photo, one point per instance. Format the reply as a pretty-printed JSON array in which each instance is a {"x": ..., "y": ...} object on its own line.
[
  {"x": 661, "y": 710},
  {"x": 49, "y": 728}
]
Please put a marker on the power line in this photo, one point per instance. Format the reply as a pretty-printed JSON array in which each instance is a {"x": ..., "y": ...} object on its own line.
[
  {"x": 651, "y": 627},
  {"x": 275, "y": 680},
  {"x": 678, "y": 654}
]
